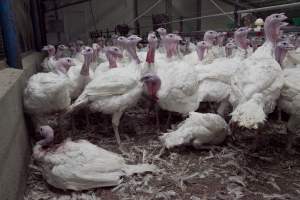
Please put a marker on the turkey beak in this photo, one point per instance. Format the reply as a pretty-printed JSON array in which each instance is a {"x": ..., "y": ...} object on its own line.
[
  {"x": 143, "y": 79},
  {"x": 283, "y": 24},
  {"x": 283, "y": 16}
]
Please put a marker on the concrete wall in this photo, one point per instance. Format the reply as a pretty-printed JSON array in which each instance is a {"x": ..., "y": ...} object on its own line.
[
  {"x": 14, "y": 140},
  {"x": 78, "y": 21}
]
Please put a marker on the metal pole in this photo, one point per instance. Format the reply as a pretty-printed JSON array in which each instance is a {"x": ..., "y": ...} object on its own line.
[
  {"x": 199, "y": 10},
  {"x": 43, "y": 24},
  {"x": 169, "y": 13},
  {"x": 136, "y": 13},
  {"x": 67, "y": 5},
  {"x": 56, "y": 18},
  {"x": 9, "y": 31},
  {"x": 283, "y": 6},
  {"x": 181, "y": 25}
]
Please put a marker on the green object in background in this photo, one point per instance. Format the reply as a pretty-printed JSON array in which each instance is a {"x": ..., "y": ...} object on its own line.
[
  {"x": 230, "y": 25},
  {"x": 296, "y": 21}
]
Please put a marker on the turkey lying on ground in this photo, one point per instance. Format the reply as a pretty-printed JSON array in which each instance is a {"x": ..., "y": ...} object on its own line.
[
  {"x": 197, "y": 130},
  {"x": 81, "y": 165}
]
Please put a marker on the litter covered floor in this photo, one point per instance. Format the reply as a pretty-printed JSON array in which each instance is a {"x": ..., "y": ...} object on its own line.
[{"x": 229, "y": 171}]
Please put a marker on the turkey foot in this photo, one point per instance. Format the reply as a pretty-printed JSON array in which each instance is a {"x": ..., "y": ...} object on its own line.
[
  {"x": 168, "y": 121},
  {"x": 157, "y": 119},
  {"x": 257, "y": 142}
]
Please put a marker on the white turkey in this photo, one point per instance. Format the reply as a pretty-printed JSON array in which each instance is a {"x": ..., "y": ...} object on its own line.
[
  {"x": 162, "y": 34},
  {"x": 179, "y": 87},
  {"x": 78, "y": 56},
  {"x": 60, "y": 51},
  {"x": 47, "y": 64},
  {"x": 289, "y": 102},
  {"x": 210, "y": 36},
  {"x": 219, "y": 48},
  {"x": 132, "y": 42},
  {"x": 81, "y": 74},
  {"x": 112, "y": 54},
  {"x": 292, "y": 58},
  {"x": 229, "y": 47},
  {"x": 115, "y": 91},
  {"x": 215, "y": 78},
  {"x": 81, "y": 165},
  {"x": 150, "y": 66},
  {"x": 257, "y": 83},
  {"x": 95, "y": 58},
  {"x": 242, "y": 42},
  {"x": 48, "y": 93},
  {"x": 197, "y": 130}
]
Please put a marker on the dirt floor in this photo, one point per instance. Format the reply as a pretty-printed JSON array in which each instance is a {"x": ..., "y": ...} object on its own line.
[{"x": 229, "y": 171}]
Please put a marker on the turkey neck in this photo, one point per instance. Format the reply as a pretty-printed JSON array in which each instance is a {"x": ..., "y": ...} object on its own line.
[
  {"x": 200, "y": 53},
  {"x": 95, "y": 54},
  {"x": 272, "y": 32},
  {"x": 112, "y": 60},
  {"x": 241, "y": 41},
  {"x": 162, "y": 39},
  {"x": 151, "y": 53},
  {"x": 168, "y": 50},
  {"x": 51, "y": 52},
  {"x": 174, "y": 48},
  {"x": 280, "y": 54},
  {"x": 86, "y": 65},
  {"x": 59, "y": 53},
  {"x": 228, "y": 52},
  {"x": 209, "y": 41},
  {"x": 132, "y": 51}
]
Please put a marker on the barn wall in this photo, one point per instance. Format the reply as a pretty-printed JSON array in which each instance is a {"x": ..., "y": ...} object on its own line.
[
  {"x": 14, "y": 142},
  {"x": 77, "y": 20}
]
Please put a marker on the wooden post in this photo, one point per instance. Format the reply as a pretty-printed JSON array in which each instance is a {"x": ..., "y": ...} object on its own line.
[{"x": 199, "y": 11}]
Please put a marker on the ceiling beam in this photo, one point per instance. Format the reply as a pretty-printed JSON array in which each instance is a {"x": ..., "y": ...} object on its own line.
[
  {"x": 67, "y": 5},
  {"x": 241, "y": 5}
]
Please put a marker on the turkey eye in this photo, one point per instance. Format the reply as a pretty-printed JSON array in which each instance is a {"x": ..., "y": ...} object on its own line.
[
  {"x": 276, "y": 16},
  {"x": 115, "y": 49}
]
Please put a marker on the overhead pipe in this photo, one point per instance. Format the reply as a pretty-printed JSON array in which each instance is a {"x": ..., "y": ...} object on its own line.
[
  {"x": 9, "y": 31},
  {"x": 267, "y": 8}
]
